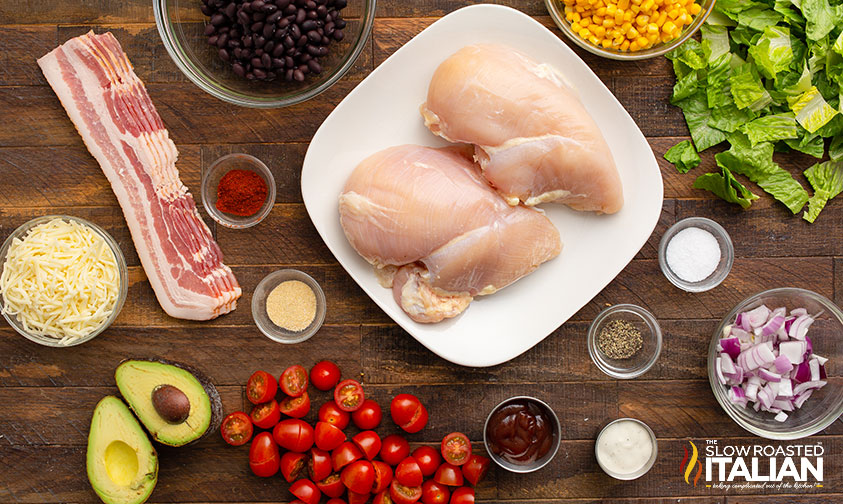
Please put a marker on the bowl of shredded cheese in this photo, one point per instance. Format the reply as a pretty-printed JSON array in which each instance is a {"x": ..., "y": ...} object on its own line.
[{"x": 63, "y": 280}]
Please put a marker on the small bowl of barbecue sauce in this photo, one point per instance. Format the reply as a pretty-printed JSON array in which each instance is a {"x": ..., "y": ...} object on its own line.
[{"x": 522, "y": 434}]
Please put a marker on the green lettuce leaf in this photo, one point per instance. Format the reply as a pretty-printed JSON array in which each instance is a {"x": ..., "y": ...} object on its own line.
[
  {"x": 685, "y": 86},
  {"x": 697, "y": 115},
  {"x": 812, "y": 111},
  {"x": 726, "y": 186},
  {"x": 808, "y": 143},
  {"x": 756, "y": 162},
  {"x": 827, "y": 180},
  {"x": 683, "y": 156},
  {"x": 758, "y": 18},
  {"x": 772, "y": 53},
  {"x": 820, "y": 16},
  {"x": 729, "y": 117},
  {"x": 715, "y": 42},
  {"x": 771, "y": 128},
  {"x": 747, "y": 88},
  {"x": 835, "y": 149}
]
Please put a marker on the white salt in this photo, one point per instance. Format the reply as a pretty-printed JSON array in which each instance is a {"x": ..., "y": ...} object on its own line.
[{"x": 693, "y": 254}]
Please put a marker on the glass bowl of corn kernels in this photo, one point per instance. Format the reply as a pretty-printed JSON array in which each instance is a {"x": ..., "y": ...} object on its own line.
[{"x": 629, "y": 29}]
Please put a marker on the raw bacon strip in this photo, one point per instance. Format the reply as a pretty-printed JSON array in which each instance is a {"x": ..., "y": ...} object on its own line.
[{"x": 112, "y": 111}]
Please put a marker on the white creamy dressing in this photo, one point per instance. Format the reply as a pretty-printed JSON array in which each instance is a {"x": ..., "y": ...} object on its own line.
[{"x": 624, "y": 447}]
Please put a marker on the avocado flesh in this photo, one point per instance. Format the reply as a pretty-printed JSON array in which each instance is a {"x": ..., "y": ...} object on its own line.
[
  {"x": 136, "y": 380},
  {"x": 122, "y": 464}
]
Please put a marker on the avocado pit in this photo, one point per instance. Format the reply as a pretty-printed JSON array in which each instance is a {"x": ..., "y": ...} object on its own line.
[{"x": 171, "y": 404}]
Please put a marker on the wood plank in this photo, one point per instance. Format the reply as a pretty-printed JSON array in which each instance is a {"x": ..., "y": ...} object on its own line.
[
  {"x": 838, "y": 280},
  {"x": 57, "y": 474},
  {"x": 227, "y": 355},
  {"x": 22, "y": 45},
  {"x": 784, "y": 499},
  {"x": 420, "y": 8},
  {"x": 391, "y": 356}
]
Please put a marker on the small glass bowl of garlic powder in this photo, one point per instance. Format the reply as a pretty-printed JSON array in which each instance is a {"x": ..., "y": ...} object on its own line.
[
  {"x": 64, "y": 280},
  {"x": 696, "y": 254},
  {"x": 288, "y": 306}
]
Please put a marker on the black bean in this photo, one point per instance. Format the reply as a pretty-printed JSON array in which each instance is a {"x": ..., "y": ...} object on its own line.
[
  {"x": 268, "y": 30},
  {"x": 270, "y": 8},
  {"x": 282, "y": 3},
  {"x": 273, "y": 18},
  {"x": 212, "y": 40},
  {"x": 323, "y": 51},
  {"x": 266, "y": 61},
  {"x": 304, "y": 58},
  {"x": 301, "y": 14},
  {"x": 290, "y": 9},
  {"x": 244, "y": 18},
  {"x": 238, "y": 69},
  {"x": 209, "y": 30},
  {"x": 308, "y": 25},
  {"x": 230, "y": 10},
  {"x": 295, "y": 31},
  {"x": 283, "y": 23},
  {"x": 258, "y": 52},
  {"x": 256, "y": 27},
  {"x": 298, "y": 75},
  {"x": 314, "y": 66},
  {"x": 260, "y": 41},
  {"x": 322, "y": 11},
  {"x": 206, "y": 10},
  {"x": 258, "y": 5},
  {"x": 302, "y": 41},
  {"x": 224, "y": 55},
  {"x": 314, "y": 36},
  {"x": 312, "y": 50},
  {"x": 256, "y": 62},
  {"x": 304, "y": 69},
  {"x": 311, "y": 14},
  {"x": 289, "y": 42},
  {"x": 259, "y": 74},
  {"x": 247, "y": 41},
  {"x": 259, "y": 16},
  {"x": 288, "y": 62},
  {"x": 217, "y": 19},
  {"x": 338, "y": 35},
  {"x": 288, "y": 75},
  {"x": 278, "y": 51},
  {"x": 340, "y": 23},
  {"x": 340, "y": 4}
]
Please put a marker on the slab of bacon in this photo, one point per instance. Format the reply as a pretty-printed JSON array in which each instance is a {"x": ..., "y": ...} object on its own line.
[{"x": 111, "y": 109}]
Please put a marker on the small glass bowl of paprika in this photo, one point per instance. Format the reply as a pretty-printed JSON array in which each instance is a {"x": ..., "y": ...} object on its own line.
[{"x": 238, "y": 190}]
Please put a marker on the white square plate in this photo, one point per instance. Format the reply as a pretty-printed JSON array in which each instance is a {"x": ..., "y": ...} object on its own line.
[{"x": 383, "y": 111}]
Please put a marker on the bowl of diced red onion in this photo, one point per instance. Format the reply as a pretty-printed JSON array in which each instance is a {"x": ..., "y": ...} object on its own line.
[{"x": 775, "y": 363}]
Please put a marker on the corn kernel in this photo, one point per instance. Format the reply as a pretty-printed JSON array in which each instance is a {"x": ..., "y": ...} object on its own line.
[
  {"x": 695, "y": 9},
  {"x": 668, "y": 27},
  {"x": 606, "y": 43},
  {"x": 662, "y": 19},
  {"x": 652, "y": 28},
  {"x": 584, "y": 33},
  {"x": 611, "y": 9},
  {"x": 672, "y": 13},
  {"x": 642, "y": 41},
  {"x": 618, "y": 17},
  {"x": 629, "y": 15},
  {"x": 647, "y": 6},
  {"x": 593, "y": 40},
  {"x": 608, "y": 23},
  {"x": 632, "y": 34},
  {"x": 633, "y": 47},
  {"x": 652, "y": 38},
  {"x": 597, "y": 19},
  {"x": 623, "y": 4},
  {"x": 601, "y": 11},
  {"x": 576, "y": 27},
  {"x": 625, "y": 45},
  {"x": 584, "y": 22}
]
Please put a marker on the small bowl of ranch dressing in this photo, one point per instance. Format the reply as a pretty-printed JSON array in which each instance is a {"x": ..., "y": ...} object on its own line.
[{"x": 626, "y": 449}]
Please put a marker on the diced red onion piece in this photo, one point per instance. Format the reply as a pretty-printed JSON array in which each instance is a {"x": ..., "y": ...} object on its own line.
[
  {"x": 822, "y": 360},
  {"x": 727, "y": 364},
  {"x": 740, "y": 334},
  {"x": 769, "y": 375},
  {"x": 780, "y": 416},
  {"x": 751, "y": 391},
  {"x": 799, "y": 400},
  {"x": 771, "y": 326},
  {"x": 783, "y": 405},
  {"x": 793, "y": 350},
  {"x": 814, "y": 365},
  {"x": 800, "y": 326},
  {"x": 757, "y": 317},
  {"x": 737, "y": 396},
  {"x": 796, "y": 312},
  {"x": 731, "y": 346},
  {"x": 782, "y": 363},
  {"x": 719, "y": 370},
  {"x": 811, "y": 385},
  {"x": 802, "y": 373},
  {"x": 785, "y": 388}
]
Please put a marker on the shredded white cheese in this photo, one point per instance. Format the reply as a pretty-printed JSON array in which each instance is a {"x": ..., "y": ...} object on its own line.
[{"x": 61, "y": 280}]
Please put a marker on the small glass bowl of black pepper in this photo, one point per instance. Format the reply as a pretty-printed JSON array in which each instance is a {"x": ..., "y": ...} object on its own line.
[
  {"x": 264, "y": 53},
  {"x": 624, "y": 341}
]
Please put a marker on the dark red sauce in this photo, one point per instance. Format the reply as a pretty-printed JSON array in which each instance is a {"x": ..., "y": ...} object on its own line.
[{"x": 521, "y": 432}]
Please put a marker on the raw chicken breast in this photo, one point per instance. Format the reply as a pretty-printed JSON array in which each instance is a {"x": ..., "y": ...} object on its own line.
[
  {"x": 533, "y": 138},
  {"x": 426, "y": 217}
]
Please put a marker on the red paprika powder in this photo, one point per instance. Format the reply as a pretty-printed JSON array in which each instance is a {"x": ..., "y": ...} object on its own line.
[{"x": 241, "y": 192}]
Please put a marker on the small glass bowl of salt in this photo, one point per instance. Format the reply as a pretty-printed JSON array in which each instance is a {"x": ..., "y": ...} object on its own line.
[{"x": 696, "y": 254}]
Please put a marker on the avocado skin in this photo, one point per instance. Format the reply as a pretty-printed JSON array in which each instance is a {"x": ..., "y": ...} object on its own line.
[
  {"x": 207, "y": 385},
  {"x": 100, "y": 436}
]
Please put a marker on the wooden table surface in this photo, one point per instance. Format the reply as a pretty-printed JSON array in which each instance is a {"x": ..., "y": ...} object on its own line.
[{"x": 47, "y": 395}]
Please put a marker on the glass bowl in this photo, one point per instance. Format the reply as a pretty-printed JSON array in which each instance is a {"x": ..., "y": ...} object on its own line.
[
  {"x": 644, "y": 359},
  {"x": 211, "y": 179},
  {"x": 538, "y": 463},
  {"x": 727, "y": 254},
  {"x": 556, "y": 8},
  {"x": 123, "y": 272},
  {"x": 826, "y": 333},
  {"x": 266, "y": 326},
  {"x": 181, "y": 25},
  {"x": 645, "y": 468}
]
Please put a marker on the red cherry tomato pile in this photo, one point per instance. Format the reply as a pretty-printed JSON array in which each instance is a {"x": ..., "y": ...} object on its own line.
[{"x": 321, "y": 459}]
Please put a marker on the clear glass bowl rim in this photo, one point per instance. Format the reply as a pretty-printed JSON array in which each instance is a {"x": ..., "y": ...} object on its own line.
[
  {"x": 648, "y": 317},
  {"x": 210, "y": 86},
  {"x": 121, "y": 267},
  {"x": 653, "y": 52},
  {"x": 720, "y": 393}
]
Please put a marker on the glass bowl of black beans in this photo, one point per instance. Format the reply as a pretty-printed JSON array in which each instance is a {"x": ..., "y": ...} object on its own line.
[{"x": 264, "y": 53}]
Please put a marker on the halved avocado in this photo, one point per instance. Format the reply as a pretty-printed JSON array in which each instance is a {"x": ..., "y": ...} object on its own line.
[
  {"x": 122, "y": 464},
  {"x": 176, "y": 403}
]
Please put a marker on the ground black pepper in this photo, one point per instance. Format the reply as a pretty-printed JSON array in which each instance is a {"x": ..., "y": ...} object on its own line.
[{"x": 619, "y": 340}]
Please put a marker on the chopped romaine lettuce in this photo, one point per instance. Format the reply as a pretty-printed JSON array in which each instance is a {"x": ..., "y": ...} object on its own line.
[
  {"x": 771, "y": 128},
  {"x": 812, "y": 111},
  {"x": 726, "y": 186},
  {"x": 697, "y": 115},
  {"x": 820, "y": 16},
  {"x": 683, "y": 156},
  {"x": 747, "y": 88},
  {"x": 773, "y": 52},
  {"x": 827, "y": 181}
]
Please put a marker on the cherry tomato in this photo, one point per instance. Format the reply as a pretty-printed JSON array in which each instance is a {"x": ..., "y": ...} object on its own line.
[
  {"x": 319, "y": 465},
  {"x": 327, "y": 436},
  {"x": 331, "y": 486},
  {"x": 394, "y": 449},
  {"x": 294, "y": 435},
  {"x": 358, "y": 498},
  {"x": 236, "y": 429},
  {"x": 359, "y": 476},
  {"x": 369, "y": 443},
  {"x": 263, "y": 455},
  {"x": 325, "y": 375},
  {"x": 261, "y": 387},
  {"x": 306, "y": 490},
  {"x": 476, "y": 468},
  {"x": 293, "y": 381},
  {"x": 408, "y": 412},
  {"x": 448, "y": 474},
  {"x": 266, "y": 415},
  {"x": 418, "y": 421},
  {"x": 368, "y": 416},
  {"x": 462, "y": 495},
  {"x": 336, "y": 500},
  {"x": 383, "y": 476},
  {"x": 408, "y": 473},
  {"x": 292, "y": 465},
  {"x": 295, "y": 407},
  {"x": 349, "y": 395},
  {"x": 456, "y": 448},
  {"x": 383, "y": 497},
  {"x": 435, "y": 493},
  {"x": 428, "y": 459},
  {"x": 331, "y": 413},
  {"x": 345, "y": 454},
  {"x": 403, "y": 494}
]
